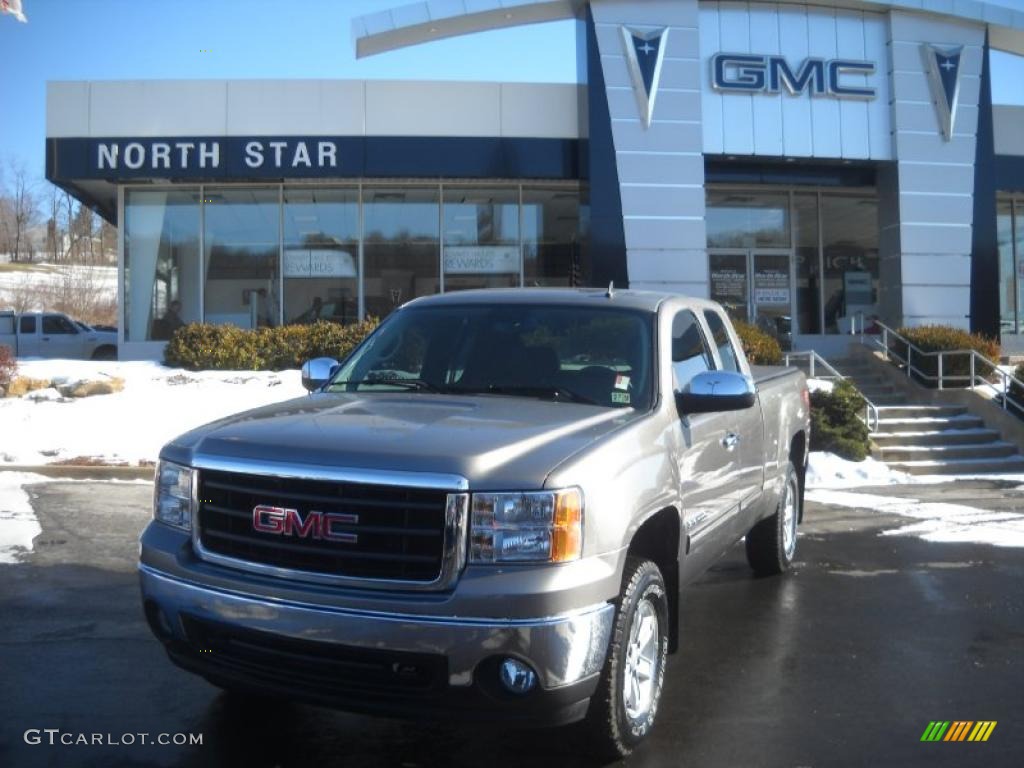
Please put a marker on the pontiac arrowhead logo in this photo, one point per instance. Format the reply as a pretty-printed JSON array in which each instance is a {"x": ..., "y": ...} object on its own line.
[
  {"x": 944, "y": 77},
  {"x": 644, "y": 54}
]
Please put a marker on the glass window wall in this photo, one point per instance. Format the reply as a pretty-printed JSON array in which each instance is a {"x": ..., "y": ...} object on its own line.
[
  {"x": 401, "y": 246},
  {"x": 481, "y": 238},
  {"x": 161, "y": 262},
  {"x": 739, "y": 219},
  {"x": 262, "y": 255},
  {"x": 1010, "y": 233},
  {"x": 242, "y": 243},
  {"x": 320, "y": 260},
  {"x": 850, "y": 257}
]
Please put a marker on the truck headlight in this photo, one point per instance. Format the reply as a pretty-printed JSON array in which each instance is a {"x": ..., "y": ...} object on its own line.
[
  {"x": 535, "y": 527},
  {"x": 172, "y": 496}
]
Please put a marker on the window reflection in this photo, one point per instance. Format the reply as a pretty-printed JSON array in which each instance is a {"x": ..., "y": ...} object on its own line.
[
  {"x": 321, "y": 255},
  {"x": 737, "y": 219},
  {"x": 401, "y": 246},
  {"x": 161, "y": 262},
  {"x": 850, "y": 255},
  {"x": 242, "y": 248},
  {"x": 551, "y": 242},
  {"x": 481, "y": 238}
]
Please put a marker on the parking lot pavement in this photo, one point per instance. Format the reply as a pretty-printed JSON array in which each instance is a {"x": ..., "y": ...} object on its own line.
[{"x": 842, "y": 662}]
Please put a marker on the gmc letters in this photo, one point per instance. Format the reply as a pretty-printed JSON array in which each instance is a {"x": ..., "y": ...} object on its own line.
[{"x": 747, "y": 73}]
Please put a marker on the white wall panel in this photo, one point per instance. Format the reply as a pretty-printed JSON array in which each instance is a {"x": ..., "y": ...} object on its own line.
[
  {"x": 782, "y": 124},
  {"x": 67, "y": 110},
  {"x": 432, "y": 109},
  {"x": 158, "y": 108}
]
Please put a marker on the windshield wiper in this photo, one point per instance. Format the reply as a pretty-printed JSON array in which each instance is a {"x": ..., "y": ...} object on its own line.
[
  {"x": 531, "y": 391},
  {"x": 417, "y": 384}
]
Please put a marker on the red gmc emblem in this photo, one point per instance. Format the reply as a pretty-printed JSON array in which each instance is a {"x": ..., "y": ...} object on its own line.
[{"x": 283, "y": 521}]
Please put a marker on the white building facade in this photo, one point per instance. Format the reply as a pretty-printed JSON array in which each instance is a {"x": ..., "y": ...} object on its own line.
[{"x": 814, "y": 167}]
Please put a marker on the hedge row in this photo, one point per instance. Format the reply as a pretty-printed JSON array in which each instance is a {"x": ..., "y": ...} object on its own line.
[
  {"x": 760, "y": 348},
  {"x": 199, "y": 346},
  {"x": 836, "y": 425},
  {"x": 946, "y": 338}
]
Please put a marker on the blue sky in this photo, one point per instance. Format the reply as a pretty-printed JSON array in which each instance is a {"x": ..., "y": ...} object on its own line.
[{"x": 151, "y": 39}]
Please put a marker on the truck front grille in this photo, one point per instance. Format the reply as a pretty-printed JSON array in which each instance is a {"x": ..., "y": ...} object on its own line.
[{"x": 386, "y": 532}]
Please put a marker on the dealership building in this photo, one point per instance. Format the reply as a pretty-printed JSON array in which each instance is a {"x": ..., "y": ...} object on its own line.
[{"x": 813, "y": 166}]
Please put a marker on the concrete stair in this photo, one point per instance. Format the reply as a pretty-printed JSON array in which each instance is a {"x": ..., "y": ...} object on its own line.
[{"x": 923, "y": 439}]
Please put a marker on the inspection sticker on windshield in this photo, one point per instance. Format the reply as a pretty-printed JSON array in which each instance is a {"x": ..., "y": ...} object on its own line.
[
  {"x": 622, "y": 382},
  {"x": 620, "y": 397}
]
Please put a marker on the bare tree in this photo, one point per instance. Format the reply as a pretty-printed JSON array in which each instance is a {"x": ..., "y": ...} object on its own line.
[{"x": 24, "y": 209}]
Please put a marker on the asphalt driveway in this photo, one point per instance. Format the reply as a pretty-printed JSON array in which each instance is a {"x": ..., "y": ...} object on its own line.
[{"x": 843, "y": 662}]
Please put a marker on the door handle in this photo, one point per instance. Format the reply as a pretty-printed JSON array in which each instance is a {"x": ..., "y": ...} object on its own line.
[{"x": 730, "y": 441}]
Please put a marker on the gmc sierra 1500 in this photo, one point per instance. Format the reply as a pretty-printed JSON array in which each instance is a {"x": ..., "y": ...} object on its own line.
[{"x": 487, "y": 510}]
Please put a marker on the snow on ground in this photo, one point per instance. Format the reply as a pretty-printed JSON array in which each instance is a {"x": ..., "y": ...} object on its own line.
[
  {"x": 39, "y": 276},
  {"x": 157, "y": 404},
  {"x": 826, "y": 470},
  {"x": 18, "y": 524},
  {"x": 937, "y": 521},
  {"x": 820, "y": 385}
]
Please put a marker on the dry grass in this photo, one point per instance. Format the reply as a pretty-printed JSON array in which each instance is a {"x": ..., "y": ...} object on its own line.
[{"x": 80, "y": 293}]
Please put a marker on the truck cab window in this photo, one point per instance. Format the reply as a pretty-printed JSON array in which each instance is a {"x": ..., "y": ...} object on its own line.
[
  {"x": 690, "y": 353},
  {"x": 28, "y": 325},
  {"x": 722, "y": 341},
  {"x": 54, "y": 324}
]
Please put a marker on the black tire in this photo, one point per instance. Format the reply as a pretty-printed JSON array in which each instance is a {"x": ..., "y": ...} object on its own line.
[
  {"x": 770, "y": 550},
  {"x": 612, "y": 732},
  {"x": 105, "y": 353}
]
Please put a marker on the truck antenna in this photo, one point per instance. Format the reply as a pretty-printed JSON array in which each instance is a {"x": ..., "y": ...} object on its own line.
[{"x": 611, "y": 290}]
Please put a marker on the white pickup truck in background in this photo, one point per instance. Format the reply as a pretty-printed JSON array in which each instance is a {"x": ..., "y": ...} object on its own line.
[{"x": 53, "y": 334}]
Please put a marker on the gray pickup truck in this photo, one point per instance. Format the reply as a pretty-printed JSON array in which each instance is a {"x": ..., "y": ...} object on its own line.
[{"x": 487, "y": 510}]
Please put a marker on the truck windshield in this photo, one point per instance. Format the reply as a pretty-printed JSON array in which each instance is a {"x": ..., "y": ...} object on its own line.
[{"x": 567, "y": 353}]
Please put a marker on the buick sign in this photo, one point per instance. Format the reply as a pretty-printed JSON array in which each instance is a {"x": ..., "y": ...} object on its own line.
[
  {"x": 283, "y": 521},
  {"x": 754, "y": 73}
]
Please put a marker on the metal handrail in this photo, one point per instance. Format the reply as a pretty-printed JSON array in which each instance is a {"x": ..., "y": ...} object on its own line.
[
  {"x": 870, "y": 417},
  {"x": 940, "y": 378}
]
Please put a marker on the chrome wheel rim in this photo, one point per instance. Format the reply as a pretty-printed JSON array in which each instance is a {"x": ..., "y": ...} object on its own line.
[
  {"x": 640, "y": 674},
  {"x": 789, "y": 521}
]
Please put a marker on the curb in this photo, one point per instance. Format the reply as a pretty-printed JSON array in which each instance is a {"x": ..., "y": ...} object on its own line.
[{"x": 75, "y": 472}]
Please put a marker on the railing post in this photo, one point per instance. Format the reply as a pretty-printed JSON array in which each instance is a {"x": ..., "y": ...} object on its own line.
[
  {"x": 885, "y": 342},
  {"x": 811, "y": 358},
  {"x": 940, "y": 369},
  {"x": 910, "y": 352},
  {"x": 1006, "y": 387},
  {"x": 972, "y": 371}
]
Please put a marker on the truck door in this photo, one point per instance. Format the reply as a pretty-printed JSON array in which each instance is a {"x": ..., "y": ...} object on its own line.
[
  {"x": 747, "y": 425},
  {"x": 708, "y": 463},
  {"x": 60, "y": 338},
  {"x": 28, "y": 336},
  {"x": 8, "y": 337}
]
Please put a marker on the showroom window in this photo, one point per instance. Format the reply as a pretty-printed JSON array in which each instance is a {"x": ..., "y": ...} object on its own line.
[
  {"x": 481, "y": 238},
  {"x": 1010, "y": 234},
  {"x": 551, "y": 237},
  {"x": 242, "y": 244},
  {"x": 401, "y": 246},
  {"x": 257, "y": 256},
  {"x": 161, "y": 262},
  {"x": 320, "y": 261}
]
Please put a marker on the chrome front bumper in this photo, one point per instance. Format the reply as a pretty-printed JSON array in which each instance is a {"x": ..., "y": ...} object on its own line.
[{"x": 564, "y": 649}]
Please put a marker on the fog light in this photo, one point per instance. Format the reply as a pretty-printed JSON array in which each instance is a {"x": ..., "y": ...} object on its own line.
[{"x": 516, "y": 676}]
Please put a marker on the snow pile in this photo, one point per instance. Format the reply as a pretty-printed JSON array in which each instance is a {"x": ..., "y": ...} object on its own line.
[
  {"x": 826, "y": 470},
  {"x": 18, "y": 524},
  {"x": 130, "y": 426},
  {"x": 938, "y": 521},
  {"x": 40, "y": 278},
  {"x": 820, "y": 385}
]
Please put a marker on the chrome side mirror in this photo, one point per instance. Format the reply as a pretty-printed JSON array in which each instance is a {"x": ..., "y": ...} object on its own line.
[
  {"x": 316, "y": 372},
  {"x": 713, "y": 391}
]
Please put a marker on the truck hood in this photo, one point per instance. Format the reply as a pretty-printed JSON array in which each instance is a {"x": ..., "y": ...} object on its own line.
[{"x": 493, "y": 441}]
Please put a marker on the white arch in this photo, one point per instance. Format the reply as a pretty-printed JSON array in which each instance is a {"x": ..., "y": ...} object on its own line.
[{"x": 422, "y": 22}]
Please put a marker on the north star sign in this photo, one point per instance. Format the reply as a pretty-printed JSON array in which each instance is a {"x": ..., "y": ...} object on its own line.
[
  {"x": 183, "y": 155},
  {"x": 754, "y": 73}
]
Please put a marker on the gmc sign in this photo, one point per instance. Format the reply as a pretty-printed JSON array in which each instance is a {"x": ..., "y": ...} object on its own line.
[
  {"x": 283, "y": 521},
  {"x": 753, "y": 73}
]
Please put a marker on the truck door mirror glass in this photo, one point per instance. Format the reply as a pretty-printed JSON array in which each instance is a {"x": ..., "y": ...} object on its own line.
[
  {"x": 317, "y": 371},
  {"x": 714, "y": 391}
]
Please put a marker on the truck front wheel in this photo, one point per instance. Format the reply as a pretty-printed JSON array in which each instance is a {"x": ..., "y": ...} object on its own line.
[
  {"x": 624, "y": 707},
  {"x": 771, "y": 543}
]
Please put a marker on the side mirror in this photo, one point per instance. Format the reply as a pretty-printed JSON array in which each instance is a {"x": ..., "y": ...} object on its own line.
[
  {"x": 316, "y": 372},
  {"x": 714, "y": 391}
]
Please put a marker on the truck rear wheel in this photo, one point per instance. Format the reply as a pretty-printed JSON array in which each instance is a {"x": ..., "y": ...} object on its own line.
[
  {"x": 771, "y": 543},
  {"x": 625, "y": 705}
]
